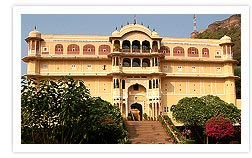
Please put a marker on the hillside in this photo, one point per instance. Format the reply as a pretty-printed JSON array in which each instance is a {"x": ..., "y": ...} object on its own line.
[{"x": 230, "y": 27}]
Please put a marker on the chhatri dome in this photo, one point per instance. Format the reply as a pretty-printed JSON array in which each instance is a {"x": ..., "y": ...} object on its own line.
[{"x": 35, "y": 33}]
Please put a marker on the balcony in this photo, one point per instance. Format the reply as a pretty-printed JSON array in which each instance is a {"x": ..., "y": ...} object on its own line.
[{"x": 134, "y": 50}]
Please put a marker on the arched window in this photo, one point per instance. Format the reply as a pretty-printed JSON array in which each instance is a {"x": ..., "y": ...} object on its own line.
[
  {"x": 136, "y": 46},
  {"x": 146, "y": 62},
  {"x": 205, "y": 52},
  {"x": 154, "y": 46},
  {"x": 136, "y": 62},
  {"x": 165, "y": 50},
  {"x": 126, "y": 62},
  {"x": 178, "y": 51},
  {"x": 58, "y": 49},
  {"x": 116, "y": 45},
  {"x": 104, "y": 49},
  {"x": 73, "y": 49},
  {"x": 146, "y": 46},
  {"x": 126, "y": 46},
  {"x": 193, "y": 52},
  {"x": 89, "y": 49}
]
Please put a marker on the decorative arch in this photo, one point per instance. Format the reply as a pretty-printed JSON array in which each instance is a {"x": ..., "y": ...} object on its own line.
[
  {"x": 73, "y": 49},
  {"x": 136, "y": 46},
  {"x": 154, "y": 46},
  {"x": 89, "y": 49},
  {"x": 126, "y": 62},
  {"x": 146, "y": 62},
  {"x": 116, "y": 45},
  {"x": 146, "y": 46},
  {"x": 139, "y": 107},
  {"x": 136, "y": 62},
  {"x": 193, "y": 52},
  {"x": 178, "y": 51},
  {"x": 58, "y": 49},
  {"x": 165, "y": 50},
  {"x": 205, "y": 52},
  {"x": 104, "y": 49},
  {"x": 126, "y": 46}
]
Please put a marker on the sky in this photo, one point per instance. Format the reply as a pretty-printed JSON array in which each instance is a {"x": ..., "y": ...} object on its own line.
[{"x": 171, "y": 25}]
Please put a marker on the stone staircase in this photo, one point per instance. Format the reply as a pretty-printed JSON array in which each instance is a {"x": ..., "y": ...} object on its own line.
[{"x": 147, "y": 132}]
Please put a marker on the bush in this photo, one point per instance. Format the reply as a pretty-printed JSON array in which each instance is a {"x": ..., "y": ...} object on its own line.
[
  {"x": 188, "y": 141},
  {"x": 63, "y": 112}
]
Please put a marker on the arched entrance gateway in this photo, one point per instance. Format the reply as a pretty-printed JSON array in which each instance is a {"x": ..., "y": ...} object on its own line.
[
  {"x": 137, "y": 100},
  {"x": 137, "y": 111}
]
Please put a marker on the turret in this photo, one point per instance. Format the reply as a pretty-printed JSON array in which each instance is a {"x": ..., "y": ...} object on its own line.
[
  {"x": 226, "y": 44},
  {"x": 34, "y": 43}
]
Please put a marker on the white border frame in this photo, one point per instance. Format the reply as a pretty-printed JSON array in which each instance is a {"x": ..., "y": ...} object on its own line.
[{"x": 18, "y": 10}]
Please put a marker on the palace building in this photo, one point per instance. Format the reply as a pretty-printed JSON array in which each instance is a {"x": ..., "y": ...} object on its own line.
[{"x": 135, "y": 68}]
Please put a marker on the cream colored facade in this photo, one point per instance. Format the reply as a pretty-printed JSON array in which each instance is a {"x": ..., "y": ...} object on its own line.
[{"x": 135, "y": 67}]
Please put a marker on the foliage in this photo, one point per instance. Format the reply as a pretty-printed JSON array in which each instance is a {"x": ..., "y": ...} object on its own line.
[
  {"x": 219, "y": 127},
  {"x": 64, "y": 112},
  {"x": 145, "y": 116},
  {"x": 196, "y": 111},
  {"x": 167, "y": 129},
  {"x": 188, "y": 141},
  {"x": 180, "y": 137}
]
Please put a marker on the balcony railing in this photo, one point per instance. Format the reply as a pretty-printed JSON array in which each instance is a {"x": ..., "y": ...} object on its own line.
[{"x": 134, "y": 50}]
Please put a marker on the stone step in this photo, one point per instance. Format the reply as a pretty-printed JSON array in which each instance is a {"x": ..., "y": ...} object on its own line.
[{"x": 147, "y": 132}]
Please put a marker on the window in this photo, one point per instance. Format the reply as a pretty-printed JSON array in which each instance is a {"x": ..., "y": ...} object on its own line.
[
  {"x": 166, "y": 109},
  {"x": 157, "y": 83},
  {"x": 123, "y": 84},
  {"x": 179, "y": 68},
  {"x": 150, "y": 85},
  {"x": 73, "y": 67},
  {"x": 89, "y": 66},
  {"x": 193, "y": 68},
  {"x": 59, "y": 49},
  {"x": 73, "y": 49},
  {"x": 44, "y": 67},
  {"x": 104, "y": 67},
  {"x": 45, "y": 49},
  {"x": 135, "y": 87}
]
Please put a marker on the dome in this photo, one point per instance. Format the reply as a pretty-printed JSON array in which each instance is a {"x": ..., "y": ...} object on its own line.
[
  {"x": 225, "y": 39},
  {"x": 35, "y": 34}
]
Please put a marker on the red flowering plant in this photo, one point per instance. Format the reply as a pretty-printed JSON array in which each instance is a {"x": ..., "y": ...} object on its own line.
[{"x": 219, "y": 127}]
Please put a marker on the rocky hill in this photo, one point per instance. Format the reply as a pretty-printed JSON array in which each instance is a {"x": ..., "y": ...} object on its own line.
[{"x": 230, "y": 27}]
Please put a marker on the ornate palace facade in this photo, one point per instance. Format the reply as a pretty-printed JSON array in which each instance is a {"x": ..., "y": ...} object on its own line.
[{"x": 135, "y": 67}]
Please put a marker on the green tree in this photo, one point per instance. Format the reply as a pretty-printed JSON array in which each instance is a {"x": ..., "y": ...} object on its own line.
[
  {"x": 64, "y": 112},
  {"x": 196, "y": 111}
]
